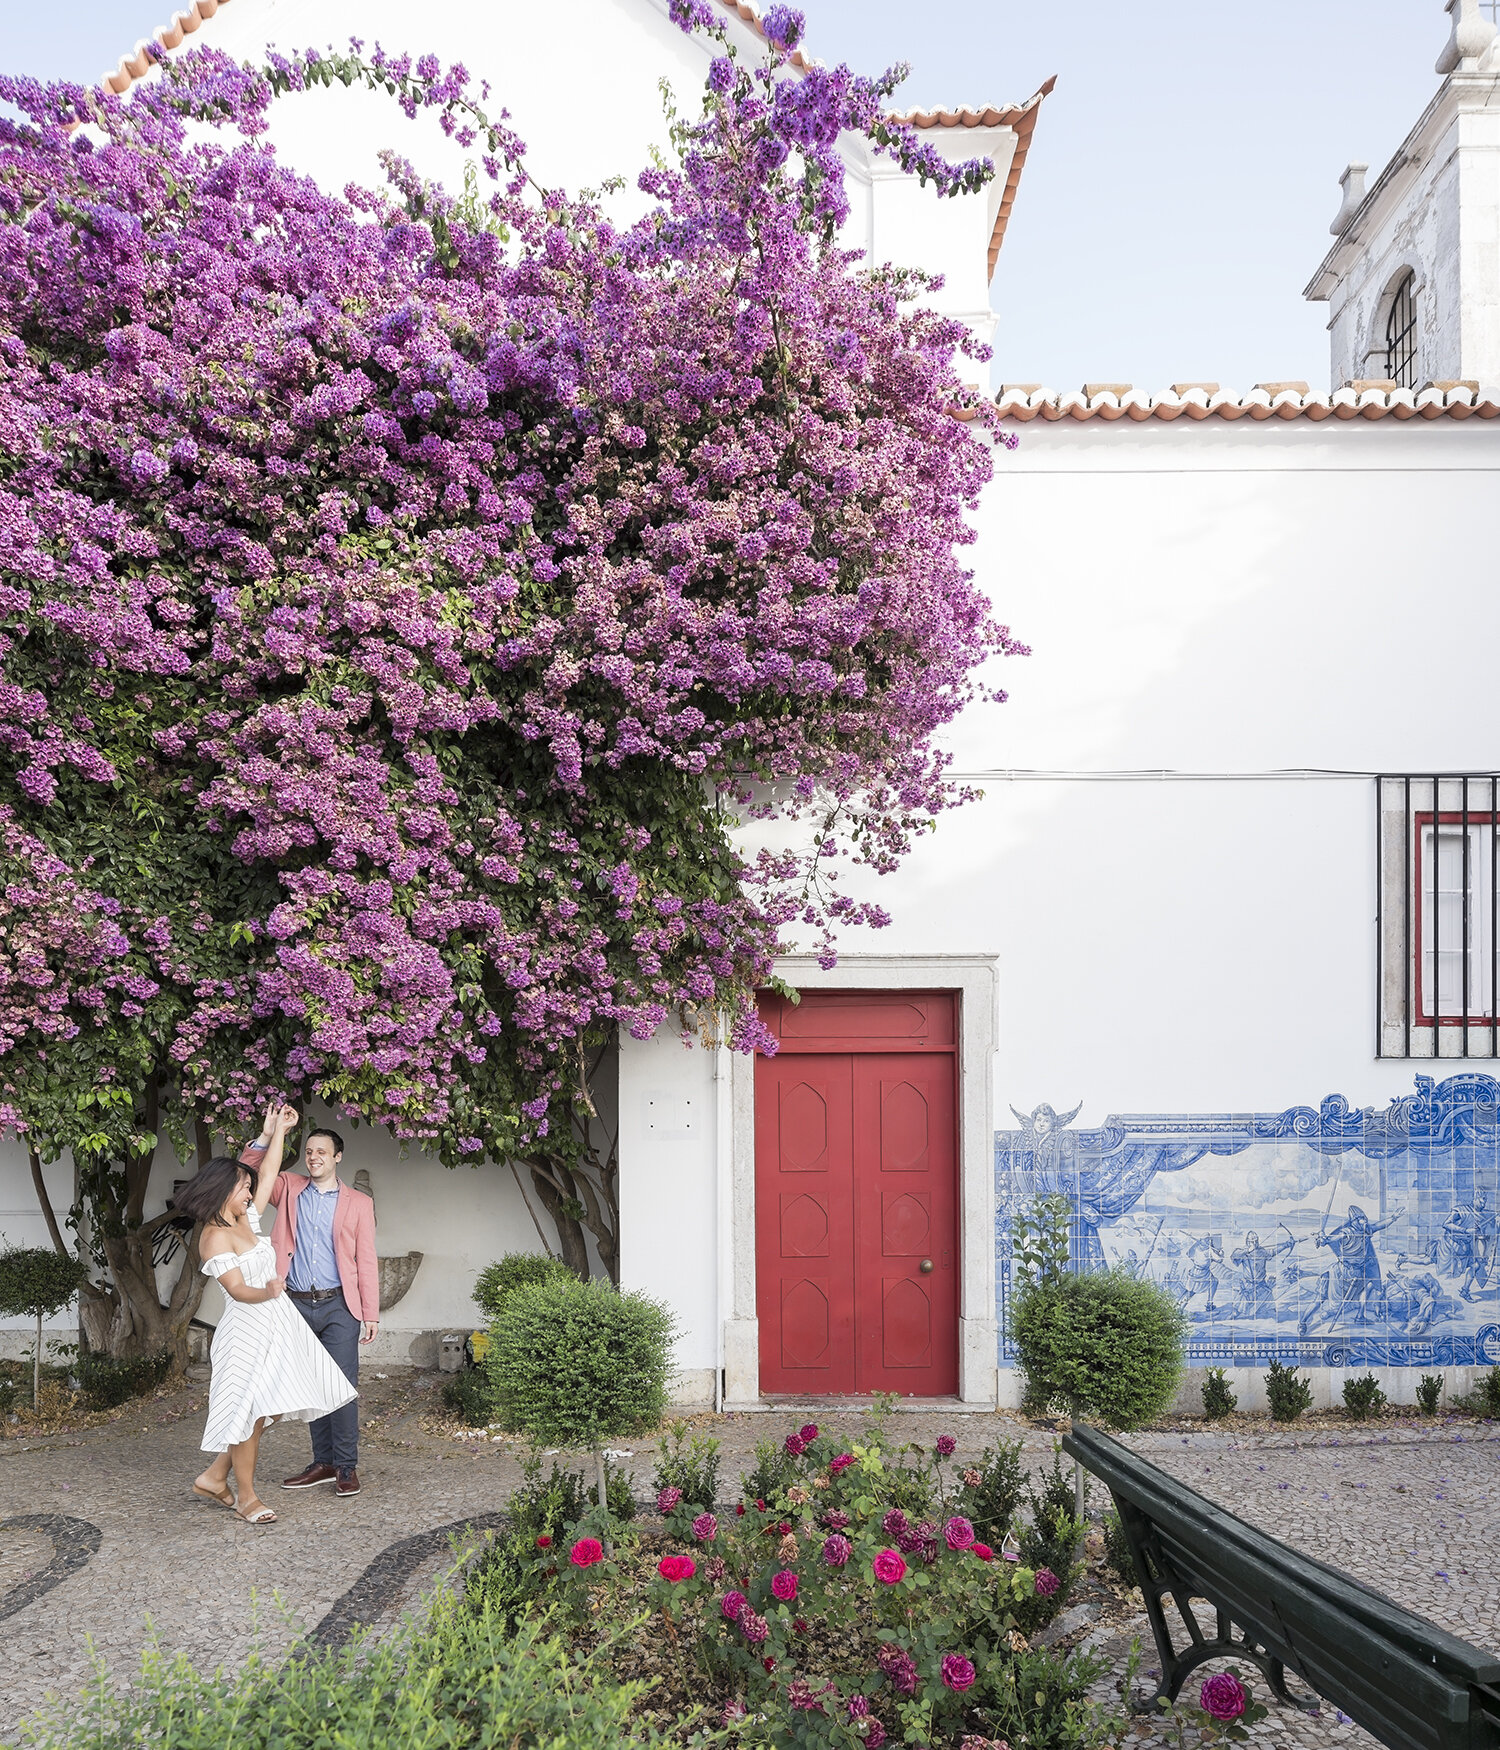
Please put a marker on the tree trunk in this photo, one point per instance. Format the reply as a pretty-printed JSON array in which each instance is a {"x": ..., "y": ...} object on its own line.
[
  {"x": 36, "y": 1368},
  {"x": 125, "y": 1316},
  {"x": 570, "y": 1236}
]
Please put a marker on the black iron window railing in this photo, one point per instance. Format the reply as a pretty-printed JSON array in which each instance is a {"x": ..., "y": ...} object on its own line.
[
  {"x": 1438, "y": 914},
  {"x": 1401, "y": 336}
]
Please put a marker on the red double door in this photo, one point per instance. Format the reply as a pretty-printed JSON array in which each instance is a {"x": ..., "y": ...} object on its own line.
[{"x": 856, "y": 1195}]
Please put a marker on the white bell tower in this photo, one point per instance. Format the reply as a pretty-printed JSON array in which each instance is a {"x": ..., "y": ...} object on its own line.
[{"x": 1413, "y": 278}]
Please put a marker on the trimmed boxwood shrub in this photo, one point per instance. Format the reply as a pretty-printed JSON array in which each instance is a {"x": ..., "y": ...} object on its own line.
[
  {"x": 498, "y": 1281},
  {"x": 36, "y": 1282},
  {"x": 1103, "y": 1345},
  {"x": 578, "y": 1363}
]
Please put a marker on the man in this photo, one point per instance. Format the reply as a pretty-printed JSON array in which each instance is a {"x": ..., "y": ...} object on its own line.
[
  {"x": 1255, "y": 1286},
  {"x": 1354, "y": 1281},
  {"x": 325, "y": 1253},
  {"x": 1469, "y": 1234},
  {"x": 1206, "y": 1269}
]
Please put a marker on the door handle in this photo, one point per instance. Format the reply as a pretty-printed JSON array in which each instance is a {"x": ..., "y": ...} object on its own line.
[{"x": 925, "y": 1266}]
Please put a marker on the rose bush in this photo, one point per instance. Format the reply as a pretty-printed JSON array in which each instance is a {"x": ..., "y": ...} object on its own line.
[{"x": 827, "y": 1610}]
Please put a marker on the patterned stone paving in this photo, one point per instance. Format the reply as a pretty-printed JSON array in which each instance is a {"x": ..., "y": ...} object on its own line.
[{"x": 1415, "y": 1513}]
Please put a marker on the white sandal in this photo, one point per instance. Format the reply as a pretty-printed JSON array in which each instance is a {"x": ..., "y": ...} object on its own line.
[{"x": 260, "y": 1514}]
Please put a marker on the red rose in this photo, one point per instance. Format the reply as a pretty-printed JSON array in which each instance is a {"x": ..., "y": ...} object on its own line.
[
  {"x": 760, "y": 1506},
  {"x": 769, "y": 1663},
  {"x": 784, "y": 1585},
  {"x": 841, "y": 1463},
  {"x": 799, "y": 1625},
  {"x": 807, "y": 1432},
  {"x": 675, "y": 1568},
  {"x": 983, "y": 1551},
  {"x": 544, "y": 1542},
  {"x": 586, "y": 1552},
  {"x": 740, "y": 1509},
  {"x": 889, "y": 1567}
]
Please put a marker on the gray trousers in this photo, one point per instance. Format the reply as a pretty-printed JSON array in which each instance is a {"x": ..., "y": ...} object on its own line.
[{"x": 335, "y": 1437}]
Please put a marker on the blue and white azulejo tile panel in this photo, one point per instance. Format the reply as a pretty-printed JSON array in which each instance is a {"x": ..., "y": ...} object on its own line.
[{"x": 1332, "y": 1236}]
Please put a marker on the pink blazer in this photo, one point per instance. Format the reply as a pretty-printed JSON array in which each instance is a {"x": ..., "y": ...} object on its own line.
[{"x": 353, "y": 1236}]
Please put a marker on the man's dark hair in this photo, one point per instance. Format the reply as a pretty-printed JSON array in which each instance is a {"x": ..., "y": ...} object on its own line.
[{"x": 332, "y": 1135}]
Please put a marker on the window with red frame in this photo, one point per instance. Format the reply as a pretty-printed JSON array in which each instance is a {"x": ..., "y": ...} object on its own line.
[{"x": 1439, "y": 915}]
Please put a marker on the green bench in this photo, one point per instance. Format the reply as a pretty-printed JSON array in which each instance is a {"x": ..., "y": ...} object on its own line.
[{"x": 1408, "y": 1683}]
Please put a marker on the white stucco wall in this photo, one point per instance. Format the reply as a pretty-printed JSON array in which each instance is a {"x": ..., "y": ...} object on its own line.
[{"x": 1228, "y": 600}]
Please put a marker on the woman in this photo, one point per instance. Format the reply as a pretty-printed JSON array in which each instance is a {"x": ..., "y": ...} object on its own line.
[{"x": 267, "y": 1365}]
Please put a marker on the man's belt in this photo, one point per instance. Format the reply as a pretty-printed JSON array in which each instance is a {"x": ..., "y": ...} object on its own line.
[{"x": 316, "y": 1296}]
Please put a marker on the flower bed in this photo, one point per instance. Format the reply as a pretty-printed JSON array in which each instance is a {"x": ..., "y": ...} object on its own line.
[{"x": 851, "y": 1595}]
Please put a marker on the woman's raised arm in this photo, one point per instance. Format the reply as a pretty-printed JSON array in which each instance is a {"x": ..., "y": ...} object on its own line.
[{"x": 279, "y": 1120}]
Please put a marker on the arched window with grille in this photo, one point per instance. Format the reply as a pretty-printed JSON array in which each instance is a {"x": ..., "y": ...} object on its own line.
[{"x": 1401, "y": 335}]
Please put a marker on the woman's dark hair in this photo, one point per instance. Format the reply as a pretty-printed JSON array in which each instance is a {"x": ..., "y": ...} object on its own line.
[{"x": 205, "y": 1194}]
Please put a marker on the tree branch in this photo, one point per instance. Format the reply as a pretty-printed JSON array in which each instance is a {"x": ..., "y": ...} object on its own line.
[{"x": 46, "y": 1202}]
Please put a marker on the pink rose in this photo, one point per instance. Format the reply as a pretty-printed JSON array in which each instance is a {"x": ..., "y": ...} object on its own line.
[
  {"x": 705, "y": 1528},
  {"x": 889, "y": 1567},
  {"x": 784, "y": 1585},
  {"x": 1223, "y": 1697},
  {"x": 841, "y": 1463},
  {"x": 1047, "y": 1582},
  {"x": 808, "y": 1433},
  {"x": 732, "y": 1605},
  {"x": 958, "y": 1672},
  {"x": 754, "y": 1628},
  {"x": 958, "y": 1533},
  {"x": 983, "y": 1551},
  {"x": 675, "y": 1568},
  {"x": 667, "y": 1500},
  {"x": 794, "y": 1444},
  {"x": 946, "y": 1445},
  {"x": 586, "y": 1552},
  {"x": 895, "y": 1523}
]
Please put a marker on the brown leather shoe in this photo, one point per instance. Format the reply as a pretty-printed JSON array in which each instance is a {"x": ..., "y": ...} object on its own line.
[
  {"x": 315, "y": 1473},
  {"x": 346, "y": 1483}
]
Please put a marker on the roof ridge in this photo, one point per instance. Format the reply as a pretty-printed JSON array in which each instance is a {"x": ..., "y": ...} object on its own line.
[{"x": 1457, "y": 400}]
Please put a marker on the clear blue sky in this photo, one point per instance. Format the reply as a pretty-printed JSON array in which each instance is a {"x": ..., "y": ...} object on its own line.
[{"x": 1182, "y": 177}]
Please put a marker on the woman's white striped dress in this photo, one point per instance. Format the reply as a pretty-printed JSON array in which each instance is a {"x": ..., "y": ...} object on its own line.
[{"x": 266, "y": 1362}]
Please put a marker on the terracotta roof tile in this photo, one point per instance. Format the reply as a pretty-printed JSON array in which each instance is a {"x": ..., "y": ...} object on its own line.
[
  {"x": 1207, "y": 401},
  {"x": 1020, "y": 116}
]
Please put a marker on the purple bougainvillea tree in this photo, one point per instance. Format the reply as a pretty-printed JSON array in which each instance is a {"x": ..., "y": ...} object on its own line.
[{"x": 408, "y": 601}]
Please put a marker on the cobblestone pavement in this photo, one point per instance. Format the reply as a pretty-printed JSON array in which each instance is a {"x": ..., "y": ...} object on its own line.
[{"x": 1416, "y": 1514}]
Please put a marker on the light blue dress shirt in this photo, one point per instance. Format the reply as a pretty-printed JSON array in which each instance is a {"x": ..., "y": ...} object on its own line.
[{"x": 314, "y": 1263}]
